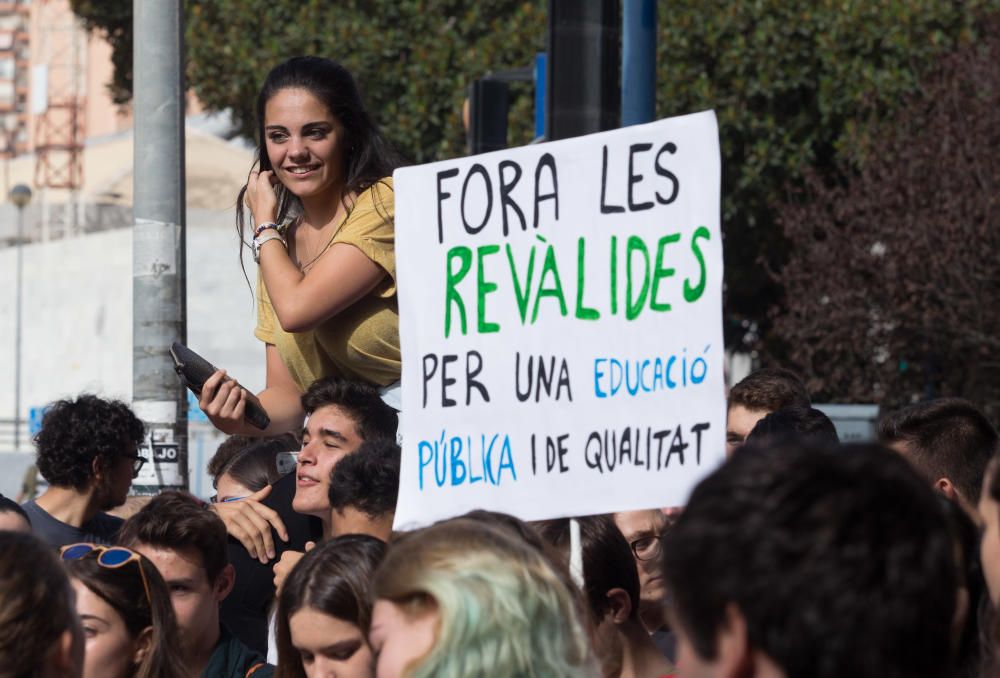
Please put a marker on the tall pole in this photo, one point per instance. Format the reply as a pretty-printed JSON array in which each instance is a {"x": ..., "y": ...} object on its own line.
[
  {"x": 17, "y": 338},
  {"x": 158, "y": 261},
  {"x": 638, "y": 61},
  {"x": 20, "y": 195},
  {"x": 584, "y": 66}
]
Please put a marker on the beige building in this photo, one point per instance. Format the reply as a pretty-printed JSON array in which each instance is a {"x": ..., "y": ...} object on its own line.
[
  {"x": 62, "y": 135},
  {"x": 53, "y": 78}
]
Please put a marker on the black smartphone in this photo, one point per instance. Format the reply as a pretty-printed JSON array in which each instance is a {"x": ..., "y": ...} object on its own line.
[{"x": 194, "y": 371}]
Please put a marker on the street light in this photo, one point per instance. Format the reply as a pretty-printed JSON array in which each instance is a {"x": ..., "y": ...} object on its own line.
[{"x": 20, "y": 195}]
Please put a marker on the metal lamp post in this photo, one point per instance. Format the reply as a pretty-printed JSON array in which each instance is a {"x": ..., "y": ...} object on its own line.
[{"x": 20, "y": 195}]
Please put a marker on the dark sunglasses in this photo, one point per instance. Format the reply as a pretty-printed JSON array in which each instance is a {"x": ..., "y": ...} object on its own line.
[{"x": 111, "y": 557}]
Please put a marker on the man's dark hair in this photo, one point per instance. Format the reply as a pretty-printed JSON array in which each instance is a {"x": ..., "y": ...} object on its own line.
[
  {"x": 367, "y": 479},
  {"x": 841, "y": 562},
  {"x": 944, "y": 438},
  {"x": 769, "y": 389},
  {"x": 607, "y": 559},
  {"x": 176, "y": 520},
  {"x": 359, "y": 401},
  {"x": 8, "y": 505},
  {"x": 76, "y": 432},
  {"x": 796, "y": 421}
]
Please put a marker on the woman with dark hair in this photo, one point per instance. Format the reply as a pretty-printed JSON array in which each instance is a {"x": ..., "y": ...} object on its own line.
[
  {"x": 39, "y": 631},
  {"x": 325, "y": 608},
  {"x": 321, "y": 200},
  {"x": 258, "y": 464},
  {"x": 124, "y": 605}
]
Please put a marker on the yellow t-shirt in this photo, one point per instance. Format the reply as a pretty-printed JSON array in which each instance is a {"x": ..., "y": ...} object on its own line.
[{"x": 362, "y": 341}]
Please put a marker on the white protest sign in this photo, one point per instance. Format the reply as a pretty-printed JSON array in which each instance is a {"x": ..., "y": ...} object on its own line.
[{"x": 561, "y": 324}]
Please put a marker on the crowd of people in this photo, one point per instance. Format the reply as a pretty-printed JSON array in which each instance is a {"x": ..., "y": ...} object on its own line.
[{"x": 798, "y": 556}]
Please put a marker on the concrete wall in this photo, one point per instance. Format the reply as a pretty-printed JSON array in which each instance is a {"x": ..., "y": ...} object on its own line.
[{"x": 77, "y": 313}]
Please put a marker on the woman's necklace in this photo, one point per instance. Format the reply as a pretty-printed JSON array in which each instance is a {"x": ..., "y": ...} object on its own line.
[{"x": 322, "y": 248}]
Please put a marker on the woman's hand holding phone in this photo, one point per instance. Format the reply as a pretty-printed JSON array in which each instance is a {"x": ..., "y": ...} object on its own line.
[{"x": 224, "y": 401}]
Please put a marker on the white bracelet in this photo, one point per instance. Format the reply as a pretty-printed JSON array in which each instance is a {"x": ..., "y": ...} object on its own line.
[{"x": 259, "y": 241}]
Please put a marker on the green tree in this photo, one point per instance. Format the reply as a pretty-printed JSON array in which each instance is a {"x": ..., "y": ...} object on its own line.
[
  {"x": 792, "y": 82},
  {"x": 113, "y": 20},
  {"x": 414, "y": 60},
  {"x": 893, "y": 281}
]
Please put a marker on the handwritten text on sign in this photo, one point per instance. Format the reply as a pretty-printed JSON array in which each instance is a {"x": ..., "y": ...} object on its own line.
[{"x": 561, "y": 324}]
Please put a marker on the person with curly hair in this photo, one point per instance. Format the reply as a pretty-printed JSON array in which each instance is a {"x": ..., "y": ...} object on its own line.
[{"x": 88, "y": 451}]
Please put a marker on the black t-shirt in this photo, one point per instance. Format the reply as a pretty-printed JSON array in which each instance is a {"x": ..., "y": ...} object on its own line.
[
  {"x": 101, "y": 529},
  {"x": 245, "y": 609}
]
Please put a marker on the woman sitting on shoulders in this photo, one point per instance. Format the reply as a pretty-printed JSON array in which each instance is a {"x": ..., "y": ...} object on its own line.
[{"x": 323, "y": 236}]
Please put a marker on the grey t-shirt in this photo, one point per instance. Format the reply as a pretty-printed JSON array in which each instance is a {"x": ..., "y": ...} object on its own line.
[{"x": 101, "y": 529}]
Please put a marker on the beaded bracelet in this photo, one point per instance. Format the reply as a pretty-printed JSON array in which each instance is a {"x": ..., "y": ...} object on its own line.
[{"x": 264, "y": 226}]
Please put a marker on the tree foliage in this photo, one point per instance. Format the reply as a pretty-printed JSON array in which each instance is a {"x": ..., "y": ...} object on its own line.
[
  {"x": 893, "y": 284},
  {"x": 113, "y": 20},
  {"x": 794, "y": 83},
  {"x": 414, "y": 60}
]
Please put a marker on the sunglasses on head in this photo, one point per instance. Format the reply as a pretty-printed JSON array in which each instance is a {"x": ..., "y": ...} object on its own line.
[{"x": 110, "y": 557}]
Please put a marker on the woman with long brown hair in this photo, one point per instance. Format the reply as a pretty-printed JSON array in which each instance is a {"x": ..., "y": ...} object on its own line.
[
  {"x": 324, "y": 610},
  {"x": 124, "y": 606},
  {"x": 323, "y": 235}
]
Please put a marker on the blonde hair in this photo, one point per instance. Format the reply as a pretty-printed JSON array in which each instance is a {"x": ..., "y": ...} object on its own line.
[{"x": 503, "y": 609}]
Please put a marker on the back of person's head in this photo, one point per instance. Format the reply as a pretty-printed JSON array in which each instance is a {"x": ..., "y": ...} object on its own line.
[
  {"x": 40, "y": 632},
  {"x": 76, "y": 433},
  {"x": 335, "y": 579},
  {"x": 137, "y": 592},
  {"x": 769, "y": 389},
  {"x": 359, "y": 401},
  {"x": 944, "y": 438},
  {"x": 12, "y": 516},
  {"x": 530, "y": 535},
  {"x": 502, "y": 609},
  {"x": 367, "y": 479},
  {"x": 607, "y": 561},
  {"x": 176, "y": 520},
  {"x": 526, "y": 532},
  {"x": 837, "y": 562},
  {"x": 794, "y": 421},
  {"x": 252, "y": 462}
]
